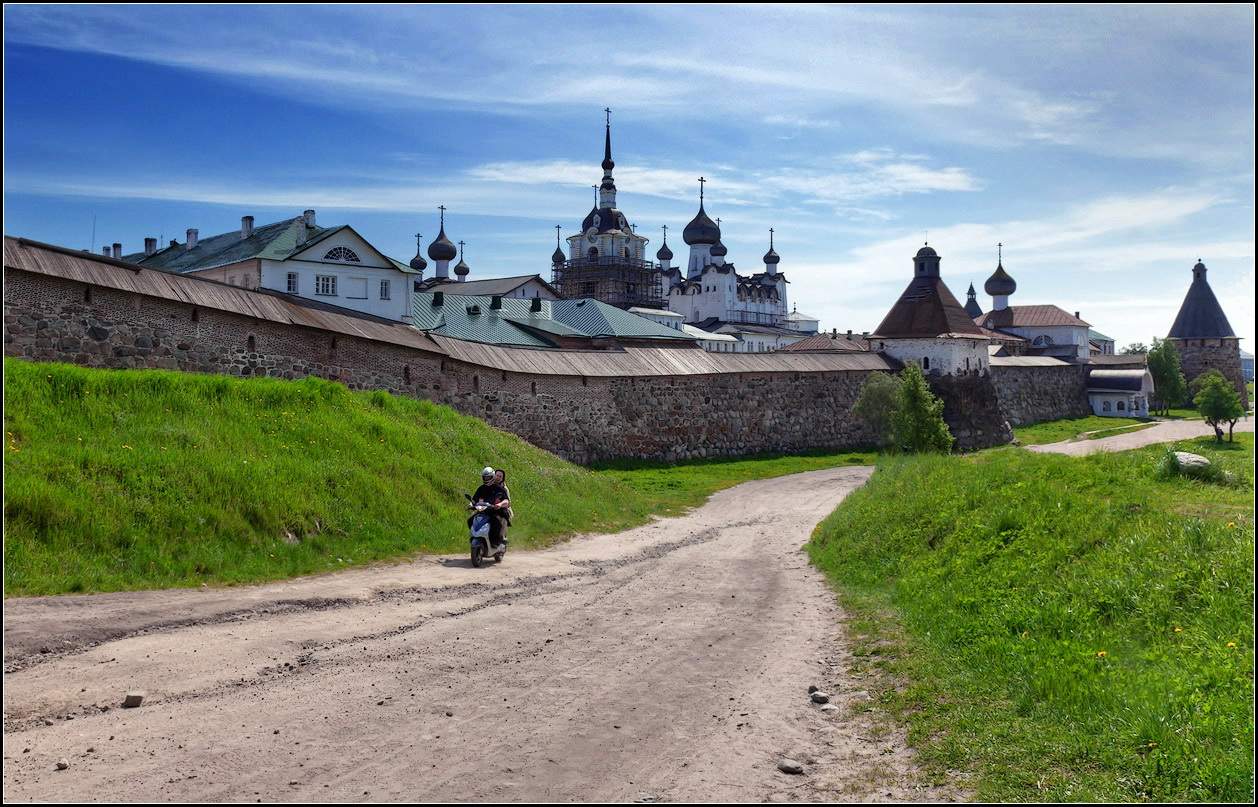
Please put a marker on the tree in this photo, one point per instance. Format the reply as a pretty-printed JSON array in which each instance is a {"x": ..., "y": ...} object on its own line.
[
  {"x": 877, "y": 402},
  {"x": 1218, "y": 403},
  {"x": 1136, "y": 347},
  {"x": 1168, "y": 379},
  {"x": 918, "y": 424}
]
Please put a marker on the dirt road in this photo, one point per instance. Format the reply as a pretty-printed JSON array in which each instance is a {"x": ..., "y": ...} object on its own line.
[
  {"x": 1166, "y": 431},
  {"x": 666, "y": 663}
]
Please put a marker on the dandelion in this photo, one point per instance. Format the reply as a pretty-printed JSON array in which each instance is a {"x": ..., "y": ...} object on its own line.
[
  {"x": 1153, "y": 745},
  {"x": 1179, "y": 630},
  {"x": 1023, "y": 634},
  {"x": 1231, "y": 644},
  {"x": 1231, "y": 523},
  {"x": 1101, "y": 654},
  {"x": 129, "y": 448}
]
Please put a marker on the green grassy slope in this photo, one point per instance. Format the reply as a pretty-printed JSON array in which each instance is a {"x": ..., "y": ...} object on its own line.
[
  {"x": 146, "y": 479},
  {"x": 1061, "y": 628}
]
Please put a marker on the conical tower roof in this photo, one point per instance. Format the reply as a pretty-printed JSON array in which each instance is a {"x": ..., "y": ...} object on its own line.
[
  {"x": 1201, "y": 316},
  {"x": 927, "y": 309}
]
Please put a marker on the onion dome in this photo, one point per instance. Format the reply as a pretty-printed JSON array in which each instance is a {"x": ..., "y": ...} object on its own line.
[
  {"x": 664, "y": 254},
  {"x": 558, "y": 257},
  {"x": 442, "y": 249},
  {"x": 1000, "y": 284},
  {"x": 719, "y": 250},
  {"x": 461, "y": 269},
  {"x": 701, "y": 230},
  {"x": 418, "y": 263}
]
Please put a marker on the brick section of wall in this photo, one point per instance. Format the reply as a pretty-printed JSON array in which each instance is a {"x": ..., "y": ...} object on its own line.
[
  {"x": 1196, "y": 356},
  {"x": 1035, "y": 394}
]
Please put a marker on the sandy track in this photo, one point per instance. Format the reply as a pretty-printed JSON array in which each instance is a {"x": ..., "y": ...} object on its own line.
[
  {"x": 1166, "y": 431},
  {"x": 668, "y": 662}
]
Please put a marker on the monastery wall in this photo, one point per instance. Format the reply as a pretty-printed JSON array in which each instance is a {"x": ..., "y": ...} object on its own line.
[
  {"x": 1033, "y": 394},
  {"x": 584, "y": 419}
]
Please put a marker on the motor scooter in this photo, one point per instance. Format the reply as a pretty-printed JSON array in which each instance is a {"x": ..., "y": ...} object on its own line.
[{"x": 480, "y": 531}]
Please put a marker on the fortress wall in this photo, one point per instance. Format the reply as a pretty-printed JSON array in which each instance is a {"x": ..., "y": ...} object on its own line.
[
  {"x": 1038, "y": 393},
  {"x": 1196, "y": 356},
  {"x": 584, "y": 419}
]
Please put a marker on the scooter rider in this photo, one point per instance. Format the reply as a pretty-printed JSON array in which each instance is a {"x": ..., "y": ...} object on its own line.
[{"x": 495, "y": 493}]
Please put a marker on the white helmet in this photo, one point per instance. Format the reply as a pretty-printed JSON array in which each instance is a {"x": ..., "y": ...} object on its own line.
[{"x": 486, "y": 472}]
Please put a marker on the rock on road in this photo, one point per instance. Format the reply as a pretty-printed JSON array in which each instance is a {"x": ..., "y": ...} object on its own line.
[{"x": 670, "y": 662}]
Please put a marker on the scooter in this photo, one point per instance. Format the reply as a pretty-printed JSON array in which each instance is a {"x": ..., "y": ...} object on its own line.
[{"x": 479, "y": 534}]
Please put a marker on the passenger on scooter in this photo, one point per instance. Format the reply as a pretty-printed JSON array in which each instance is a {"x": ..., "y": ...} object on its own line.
[{"x": 495, "y": 493}]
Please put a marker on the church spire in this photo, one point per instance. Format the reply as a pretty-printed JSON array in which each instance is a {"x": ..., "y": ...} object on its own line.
[{"x": 607, "y": 190}]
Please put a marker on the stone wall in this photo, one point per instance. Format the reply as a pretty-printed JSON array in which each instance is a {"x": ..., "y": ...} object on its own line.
[
  {"x": 972, "y": 410},
  {"x": 1037, "y": 393},
  {"x": 584, "y": 419}
]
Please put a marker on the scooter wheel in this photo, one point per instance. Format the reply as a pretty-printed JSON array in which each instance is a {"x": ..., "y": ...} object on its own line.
[{"x": 478, "y": 554}]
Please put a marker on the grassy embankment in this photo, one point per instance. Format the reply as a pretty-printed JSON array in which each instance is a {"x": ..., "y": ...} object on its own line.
[
  {"x": 118, "y": 480},
  {"x": 1060, "y": 629}
]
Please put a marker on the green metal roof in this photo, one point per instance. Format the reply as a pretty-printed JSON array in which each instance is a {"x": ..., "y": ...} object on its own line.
[
  {"x": 515, "y": 323},
  {"x": 273, "y": 242}
]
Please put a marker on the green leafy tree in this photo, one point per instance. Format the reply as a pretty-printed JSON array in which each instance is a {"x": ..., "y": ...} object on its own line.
[
  {"x": 1197, "y": 384},
  {"x": 918, "y": 423},
  {"x": 877, "y": 403},
  {"x": 1136, "y": 347},
  {"x": 1218, "y": 403},
  {"x": 1169, "y": 388}
]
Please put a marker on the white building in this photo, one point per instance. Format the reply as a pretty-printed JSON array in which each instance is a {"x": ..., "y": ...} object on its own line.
[{"x": 334, "y": 265}]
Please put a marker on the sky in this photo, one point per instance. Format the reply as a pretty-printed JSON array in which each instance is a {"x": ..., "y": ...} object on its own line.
[{"x": 1107, "y": 148}]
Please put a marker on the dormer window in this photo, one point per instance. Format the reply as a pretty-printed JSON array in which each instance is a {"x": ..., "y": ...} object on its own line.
[{"x": 344, "y": 254}]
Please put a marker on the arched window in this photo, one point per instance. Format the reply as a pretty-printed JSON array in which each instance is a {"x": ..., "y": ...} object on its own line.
[
  {"x": 1122, "y": 406},
  {"x": 593, "y": 253},
  {"x": 925, "y": 362},
  {"x": 341, "y": 254},
  {"x": 1043, "y": 340},
  {"x": 1104, "y": 406}
]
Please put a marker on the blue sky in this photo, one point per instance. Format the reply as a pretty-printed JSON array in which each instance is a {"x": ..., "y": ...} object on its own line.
[{"x": 1106, "y": 147}]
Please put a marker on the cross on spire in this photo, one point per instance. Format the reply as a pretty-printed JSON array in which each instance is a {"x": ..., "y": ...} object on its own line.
[
  {"x": 557, "y": 226},
  {"x": 701, "y": 181},
  {"x": 442, "y": 208},
  {"x": 998, "y": 251},
  {"x": 609, "y": 116},
  {"x": 770, "y": 238}
]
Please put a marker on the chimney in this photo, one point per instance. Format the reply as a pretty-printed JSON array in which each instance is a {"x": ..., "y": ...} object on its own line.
[
  {"x": 192, "y": 239},
  {"x": 536, "y": 305},
  {"x": 174, "y": 242},
  {"x": 495, "y": 302},
  {"x": 150, "y": 246},
  {"x": 310, "y": 218},
  {"x": 246, "y": 227},
  {"x": 104, "y": 251},
  {"x": 438, "y": 299},
  {"x": 118, "y": 254},
  {"x": 1077, "y": 315},
  {"x": 849, "y": 334}
]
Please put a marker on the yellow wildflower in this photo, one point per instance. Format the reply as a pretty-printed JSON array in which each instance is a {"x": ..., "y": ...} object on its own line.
[
  {"x": 1101, "y": 654},
  {"x": 1179, "y": 630},
  {"x": 1231, "y": 644}
]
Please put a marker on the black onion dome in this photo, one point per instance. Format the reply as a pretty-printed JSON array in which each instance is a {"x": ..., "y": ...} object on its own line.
[
  {"x": 461, "y": 268},
  {"x": 442, "y": 249},
  {"x": 771, "y": 257},
  {"x": 1000, "y": 284},
  {"x": 701, "y": 230},
  {"x": 418, "y": 263},
  {"x": 664, "y": 254},
  {"x": 609, "y": 218},
  {"x": 719, "y": 249},
  {"x": 558, "y": 256},
  {"x": 927, "y": 252}
]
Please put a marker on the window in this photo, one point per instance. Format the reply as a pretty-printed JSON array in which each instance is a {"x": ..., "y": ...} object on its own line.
[
  {"x": 231, "y": 281},
  {"x": 1104, "y": 406},
  {"x": 341, "y": 254},
  {"x": 325, "y": 285},
  {"x": 292, "y": 282},
  {"x": 1122, "y": 406},
  {"x": 384, "y": 290},
  {"x": 1043, "y": 340}
]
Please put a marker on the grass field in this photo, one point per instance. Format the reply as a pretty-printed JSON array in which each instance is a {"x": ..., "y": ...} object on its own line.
[
  {"x": 1059, "y": 628},
  {"x": 1055, "y": 431},
  {"x": 118, "y": 480}
]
